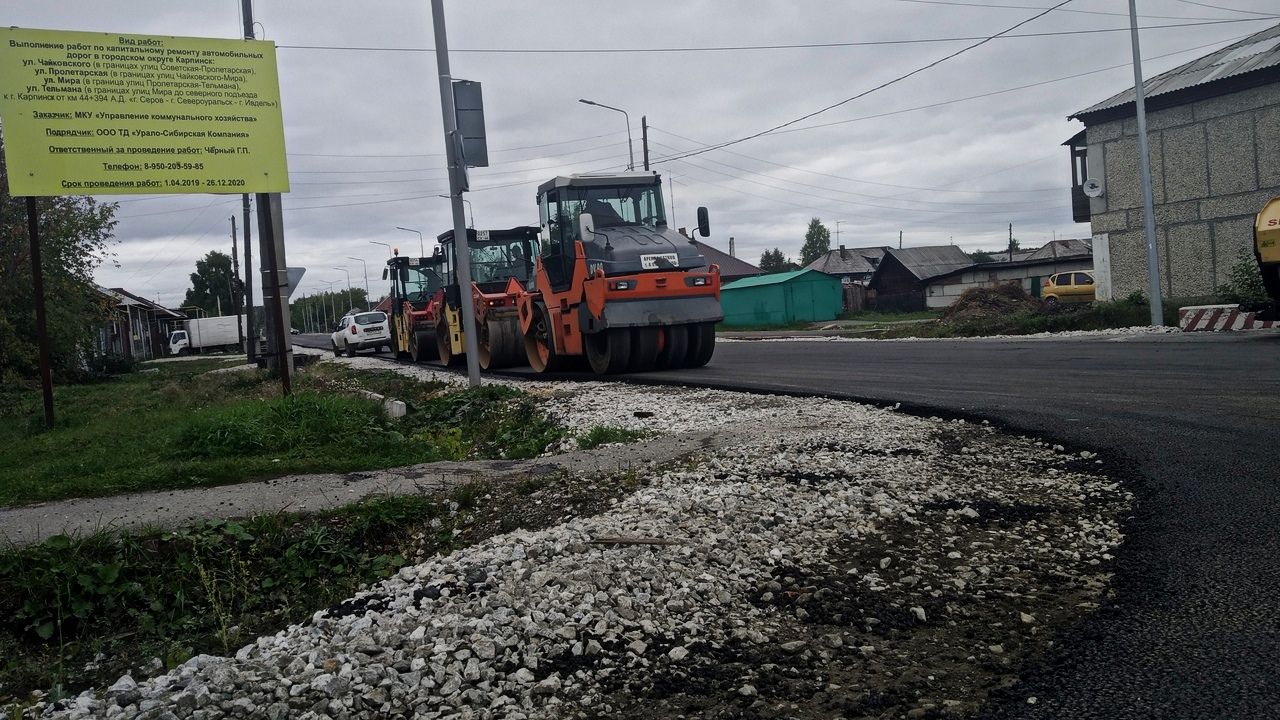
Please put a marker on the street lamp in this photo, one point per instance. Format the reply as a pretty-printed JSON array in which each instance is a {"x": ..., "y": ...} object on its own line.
[
  {"x": 350, "y": 303},
  {"x": 631, "y": 164},
  {"x": 385, "y": 245},
  {"x": 421, "y": 248},
  {"x": 333, "y": 315},
  {"x": 469, "y": 209},
  {"x": 367, "y": 297}
]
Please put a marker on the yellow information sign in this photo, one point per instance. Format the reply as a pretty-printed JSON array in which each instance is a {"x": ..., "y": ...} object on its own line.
[{"x": 103, "y": 113}]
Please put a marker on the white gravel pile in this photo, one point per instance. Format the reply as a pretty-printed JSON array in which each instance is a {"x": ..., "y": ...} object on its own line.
[
  {"x": 581, "y": 406},
  {"x": 697, "y": 571}
]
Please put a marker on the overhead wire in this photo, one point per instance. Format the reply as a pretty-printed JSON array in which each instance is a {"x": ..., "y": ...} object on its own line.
[
  {"x": 1224, "y": 7},
  {"x": 1005, "y": 90},
  {"x": 881, "y": 86},
  {"x": 498, "y": 150},
  {"x": 430, "y": 169},
  {"x": 930, "y": 221},
  {"x": 1005, "y": 204},
  {"x": 958, "y": 3},
  {"x": 783, "y": 46},
  {"x": 660, "y": 129},
  {"x": 857, "y": 203}
]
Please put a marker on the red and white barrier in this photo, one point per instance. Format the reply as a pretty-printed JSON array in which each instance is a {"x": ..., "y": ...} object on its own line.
[{"x": 1213, "y": 318}]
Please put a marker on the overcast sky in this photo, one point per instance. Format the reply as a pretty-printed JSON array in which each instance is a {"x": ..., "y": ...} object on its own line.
[{"x": 363, "y": 128}]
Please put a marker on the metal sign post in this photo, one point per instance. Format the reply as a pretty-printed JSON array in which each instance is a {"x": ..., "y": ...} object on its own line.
[{"x": 457, "y": 185}]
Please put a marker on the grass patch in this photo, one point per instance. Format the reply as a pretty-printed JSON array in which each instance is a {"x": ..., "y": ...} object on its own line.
[
  {"x": 798, "y": 325},
  {"x": 173, "y": 426},
  {"x": 80, "y": 612},
  {"x": 606, "y": 435},
  {"x": 75, "y": 612},
  {"x": 890, "y": 317}
]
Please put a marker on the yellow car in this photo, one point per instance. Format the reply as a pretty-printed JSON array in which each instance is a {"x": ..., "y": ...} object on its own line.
[{"x": 1069, "y": 287}]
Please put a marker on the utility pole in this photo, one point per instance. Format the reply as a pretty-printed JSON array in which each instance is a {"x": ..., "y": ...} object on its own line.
[
  {"x": 644, "y": 138},
  {"x": 235, "y": 278},
  {"x": 1144, "y": 158},
  {"x": 899, "y": 239},
  {"x": 671, "y": 187},
  {"x": 274, "y": 275},
  {"x": 457, "y": 179},
  {"x": 251, "y": 331},
  {"x": 42, "y": 326},
  {"x": 1010, "y": 242}
]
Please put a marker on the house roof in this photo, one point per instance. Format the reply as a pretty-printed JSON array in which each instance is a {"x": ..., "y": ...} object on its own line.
[
  {"x": 848, "y": 261},
  {"x": 1062, "y": 249},
  {"x": 730, "y": 266},
  {"x": 1250, "y": 62},
  {"x": 771, "y": 279},
  {"x": 1005, "y": 264},
  {"x": 928, "y": 262},
  {"x": 124, "y": 297}
]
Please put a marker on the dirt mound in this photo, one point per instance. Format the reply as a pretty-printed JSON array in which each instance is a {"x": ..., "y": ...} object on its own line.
[{"x": 984, "y": 302}]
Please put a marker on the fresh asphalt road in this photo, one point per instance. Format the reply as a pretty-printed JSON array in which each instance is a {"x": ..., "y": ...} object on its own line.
[{"x": 1193, "y": 421}]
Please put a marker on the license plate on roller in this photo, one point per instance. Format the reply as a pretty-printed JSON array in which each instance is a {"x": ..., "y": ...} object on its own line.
[{"x": 659, "y": 260}]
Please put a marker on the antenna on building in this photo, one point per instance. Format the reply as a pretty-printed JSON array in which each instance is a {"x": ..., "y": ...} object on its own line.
[{"x": 731, "y": 250}]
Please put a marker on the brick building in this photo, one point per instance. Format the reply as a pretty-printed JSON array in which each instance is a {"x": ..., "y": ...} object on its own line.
[{"x": 1214, "y": 132}]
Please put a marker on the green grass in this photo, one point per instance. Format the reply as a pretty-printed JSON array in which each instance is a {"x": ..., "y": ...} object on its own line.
[
  {"x": 889, "y": 317},
  {"x": 203, "y": 589},
  {"x": 799, "y": 325},
  {"x": 177, "y": 428},
  {"x": 605, "y": 435}
]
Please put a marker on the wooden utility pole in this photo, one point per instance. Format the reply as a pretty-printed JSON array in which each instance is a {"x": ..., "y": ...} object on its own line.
[
  {"x": 274, "y": 276},
  {"x": 644, "y": 139},
  {"x": 235, "y": 278},
  {"x": 42, "y": 324},
  {"x": 1010, "y": 242}
]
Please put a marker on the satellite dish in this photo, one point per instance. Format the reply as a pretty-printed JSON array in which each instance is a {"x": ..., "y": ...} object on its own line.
[{"x": 1093, "y": 188}]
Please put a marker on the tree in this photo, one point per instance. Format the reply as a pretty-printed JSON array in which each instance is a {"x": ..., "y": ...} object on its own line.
[
  {"x": 817, "y": 242},
  {"x": 981, "y": 256},
  {"x": 211, "y": 285},
  {"x": 75, "y": 239},
  {"x": 773, "y": 261}
]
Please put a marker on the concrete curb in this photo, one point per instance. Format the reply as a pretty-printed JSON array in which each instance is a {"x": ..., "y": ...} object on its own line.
[
  {"x": 394, "y": 408},
  {"x": 311, "y": 493},
  {"x": 1218, "y": 318}
]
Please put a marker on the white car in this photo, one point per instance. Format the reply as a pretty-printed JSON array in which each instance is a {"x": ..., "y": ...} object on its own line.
[{"x": 362, "y": 331}]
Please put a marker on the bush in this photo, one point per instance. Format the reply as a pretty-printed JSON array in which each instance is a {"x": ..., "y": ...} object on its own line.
[
  {"x": 1244, "y": 281},
  {"x": 112, "y": 364}
]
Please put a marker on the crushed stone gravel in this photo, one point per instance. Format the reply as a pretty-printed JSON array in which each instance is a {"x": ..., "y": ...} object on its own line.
[{"x": 837, "y": 559}]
